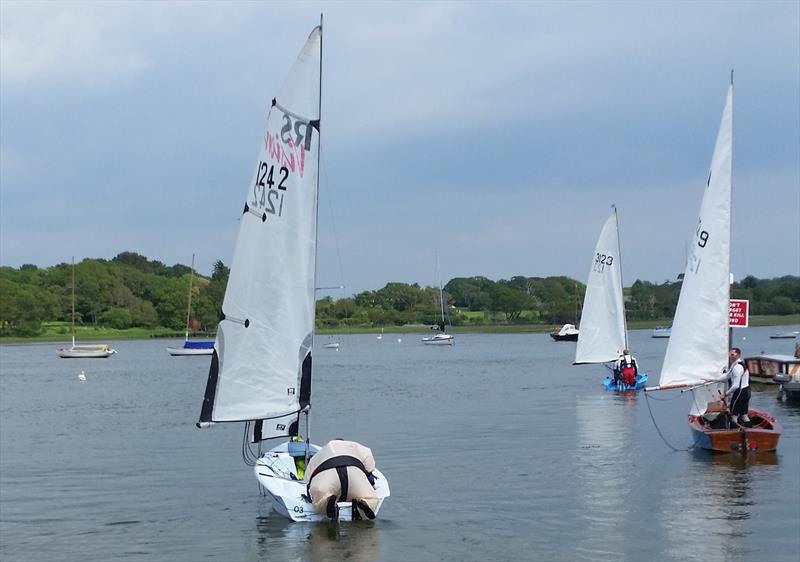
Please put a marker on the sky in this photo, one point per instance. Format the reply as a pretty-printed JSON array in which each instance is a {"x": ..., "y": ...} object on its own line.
[{"x": 496, "y": 134}]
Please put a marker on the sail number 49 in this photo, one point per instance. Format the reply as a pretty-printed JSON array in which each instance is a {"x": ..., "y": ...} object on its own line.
[{"x": 265, "y": 191}]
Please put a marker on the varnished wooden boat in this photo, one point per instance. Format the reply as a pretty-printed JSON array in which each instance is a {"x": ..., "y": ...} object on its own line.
[{"x": 717, "y": 436}]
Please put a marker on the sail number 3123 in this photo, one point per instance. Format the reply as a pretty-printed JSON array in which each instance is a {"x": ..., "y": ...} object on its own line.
[
  {"x": 268, "y": 187},
  {"x": 601, "y": 261}
]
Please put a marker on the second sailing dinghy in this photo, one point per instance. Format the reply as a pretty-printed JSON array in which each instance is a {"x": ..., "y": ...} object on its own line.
[
  {"x": 603, "y": 334},
  {"x": 697, "y": 352},
  {"x": 261, "y": 366}
]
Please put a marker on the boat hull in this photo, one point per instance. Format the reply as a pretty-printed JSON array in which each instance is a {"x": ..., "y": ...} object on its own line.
[
  {"x": 641, "y": 381},
  {"x": 85, "y": 353},
  {"x": 183, "y": 351},
  {"x": 565, "y": 337},
  {"x": 762, "y": 437},
  {"x": 277, "y": 477},
  {"x": 789, "y": 391},
  {"x": 437, "y": 340}
]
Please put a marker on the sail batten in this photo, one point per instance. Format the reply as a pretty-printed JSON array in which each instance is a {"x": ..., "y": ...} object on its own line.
[
  {"x": 698, "y": 346},
  {"x": 261, "y": 368},
  {"x": 602, "y": 335}
]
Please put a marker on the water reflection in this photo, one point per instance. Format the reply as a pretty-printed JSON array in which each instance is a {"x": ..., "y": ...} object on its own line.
[
  {"x": 277, "y": 538},
  {"x": 711, "y": 504},
  {"x": 604, "y": 470}
]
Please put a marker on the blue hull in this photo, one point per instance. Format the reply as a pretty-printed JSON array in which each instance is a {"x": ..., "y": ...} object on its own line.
[{"x": 609, "y": 384}]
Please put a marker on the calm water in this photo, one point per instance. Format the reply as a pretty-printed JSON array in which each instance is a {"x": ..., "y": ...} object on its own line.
[{"x": 496, "y": 448}]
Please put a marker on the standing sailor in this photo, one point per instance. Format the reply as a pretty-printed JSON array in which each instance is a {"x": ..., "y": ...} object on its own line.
[{"x": 738, "y": 395}]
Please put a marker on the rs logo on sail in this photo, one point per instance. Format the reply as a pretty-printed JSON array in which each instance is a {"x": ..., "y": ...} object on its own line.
[{"x": 286, "y": 154}]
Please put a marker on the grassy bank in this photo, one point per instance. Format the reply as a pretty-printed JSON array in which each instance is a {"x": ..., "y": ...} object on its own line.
[{"x": 60, "y": 331}]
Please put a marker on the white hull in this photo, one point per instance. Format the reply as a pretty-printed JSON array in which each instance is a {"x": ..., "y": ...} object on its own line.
[
  {"x": 331, "y": 346},
  {"x": 183, "y": 351},
  {"x": 275, "y": 471},
  {"x": 85, "y": 353},
  {"x": 441, "y": 339}
]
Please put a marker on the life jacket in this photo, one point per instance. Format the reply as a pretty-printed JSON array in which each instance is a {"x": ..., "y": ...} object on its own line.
[{"x": 628, "y": 371}]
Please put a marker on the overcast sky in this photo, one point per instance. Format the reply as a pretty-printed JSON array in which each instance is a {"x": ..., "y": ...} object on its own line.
[{"x": 496, "y": 134}]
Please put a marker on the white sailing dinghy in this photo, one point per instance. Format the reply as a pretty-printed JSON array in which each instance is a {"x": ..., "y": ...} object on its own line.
[
  {"x": 261, "y": 366},
  {"x": 697, "y": 352},
  {"x": 603, "y": 333},
  {"x": 193, "y": 347},
  {"x": 85, "y": 351},
  {"x": 440, "y": 338}
]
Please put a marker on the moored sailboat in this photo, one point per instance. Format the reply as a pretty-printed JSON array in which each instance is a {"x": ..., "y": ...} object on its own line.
[
  {"x": 85, "y": 351},
  {"x": 442, "y": 337},
  {"x": 191, "y": 347},
  {"x": 261, "y": 366},
  {"x": 603, "y": 334},
  {"x": 697, "y": 352}
]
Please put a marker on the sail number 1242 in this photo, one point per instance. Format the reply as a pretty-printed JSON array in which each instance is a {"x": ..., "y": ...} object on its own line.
[{"x": 268, "y": 188}]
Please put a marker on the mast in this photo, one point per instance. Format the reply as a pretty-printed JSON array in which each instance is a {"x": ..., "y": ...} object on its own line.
[
  {"x": 622, "y": 294},
  {"x": 307, "y": 409},
  {"x": 189, "y": 306},
  {"x": 441, "y": 290},
  {"x": 73, "y": 301},
  {"x": 730, "y": 230}
]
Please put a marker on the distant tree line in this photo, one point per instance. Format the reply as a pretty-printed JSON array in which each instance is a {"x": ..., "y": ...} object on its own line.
[
  {"x": 127, "y": 291},
  {"x": 133, "y": 291}
]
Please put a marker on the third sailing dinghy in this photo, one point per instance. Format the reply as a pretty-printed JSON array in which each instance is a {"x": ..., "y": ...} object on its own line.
[
  {"x": 603, "y": 334},
  {"x": 261, "y": 366},
  {"x": 697, "y": 352}
]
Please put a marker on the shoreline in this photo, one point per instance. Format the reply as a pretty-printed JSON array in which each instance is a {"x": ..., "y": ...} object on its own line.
[{"x": 92, "y": 335}]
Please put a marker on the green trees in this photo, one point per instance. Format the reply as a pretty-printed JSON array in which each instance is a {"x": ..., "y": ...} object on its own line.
[{"x": 133, "y": 291}]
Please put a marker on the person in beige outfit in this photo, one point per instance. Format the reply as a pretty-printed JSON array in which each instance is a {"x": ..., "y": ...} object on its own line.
[{"x": 342, "y": 471}]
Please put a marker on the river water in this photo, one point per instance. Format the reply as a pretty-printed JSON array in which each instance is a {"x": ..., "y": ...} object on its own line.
[{"x": 495, "y": 449}]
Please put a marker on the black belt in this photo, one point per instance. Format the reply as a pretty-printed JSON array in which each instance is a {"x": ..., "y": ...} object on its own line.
[{"x": 340, "y": 463}]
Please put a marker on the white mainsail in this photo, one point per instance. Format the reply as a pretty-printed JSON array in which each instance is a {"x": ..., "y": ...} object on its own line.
[
  {"x": 698, "y": 346},
  {"x": 603, "y": 336},
  {"x": 261, "y": 367}
]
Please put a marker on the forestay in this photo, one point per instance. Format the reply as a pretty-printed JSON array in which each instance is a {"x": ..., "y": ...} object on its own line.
[
  {"x": 261, "y": 367},
  {"x": 603, "y": 335},
  {"x": 698, "y": 346}
]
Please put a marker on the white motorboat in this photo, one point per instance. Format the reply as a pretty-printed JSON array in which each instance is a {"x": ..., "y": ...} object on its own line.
[
  {"x": 439, "y": 339},
  {"x": 661, "y": 332}
]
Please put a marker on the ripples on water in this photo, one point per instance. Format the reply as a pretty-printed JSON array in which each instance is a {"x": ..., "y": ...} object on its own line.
[{"x": 496, "y": 448}]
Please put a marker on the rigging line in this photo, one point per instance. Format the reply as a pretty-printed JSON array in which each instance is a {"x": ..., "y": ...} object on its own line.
[
  {"x": 333, "y": 219},
  {"x": 658, "y": 430}
]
